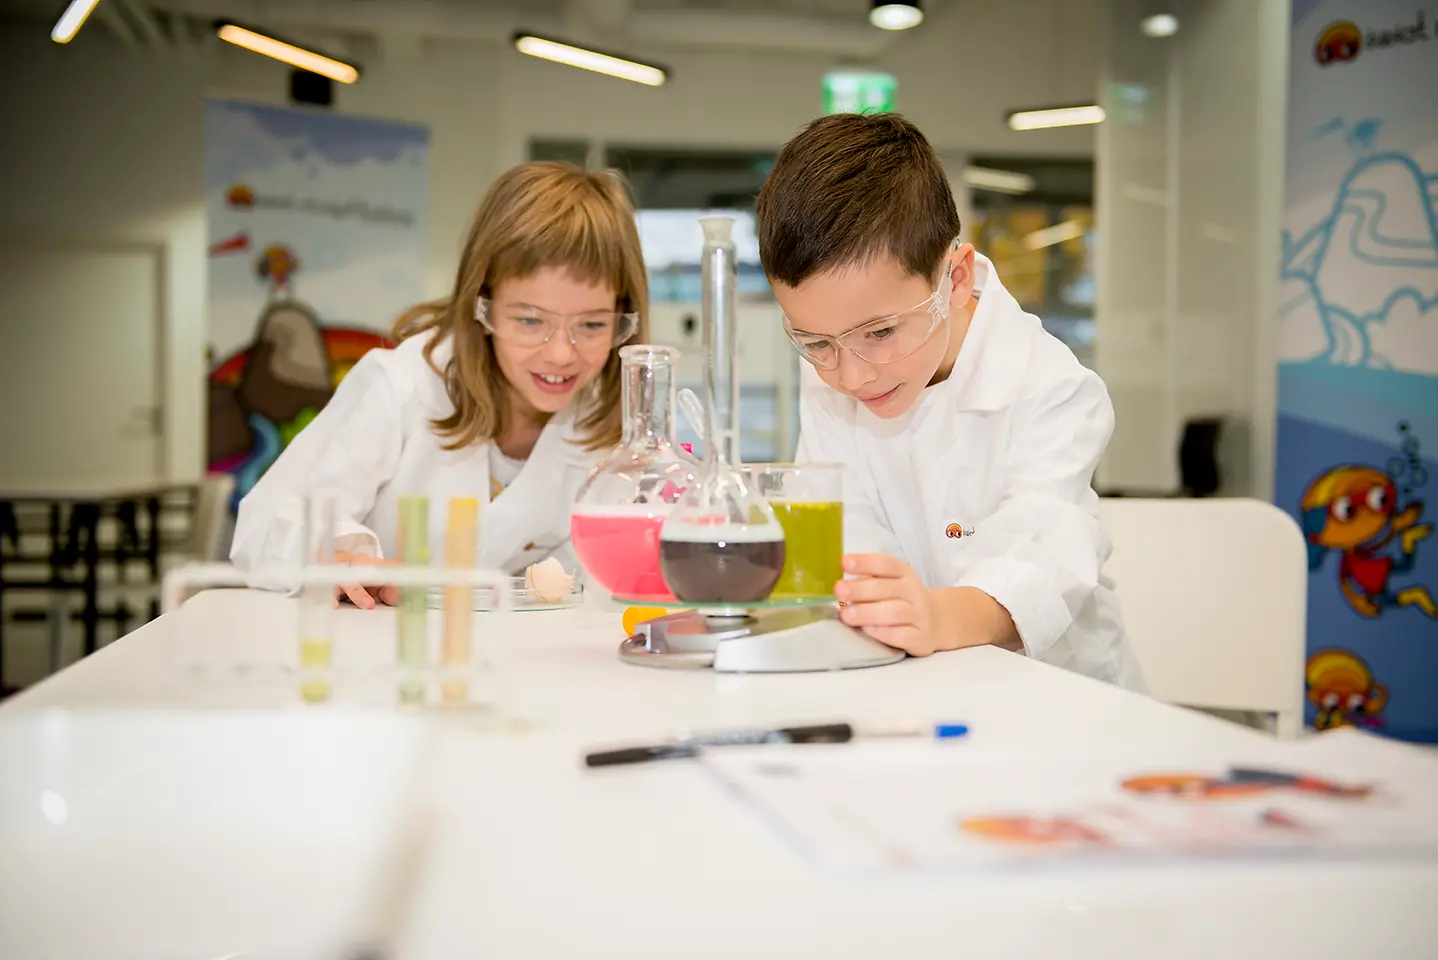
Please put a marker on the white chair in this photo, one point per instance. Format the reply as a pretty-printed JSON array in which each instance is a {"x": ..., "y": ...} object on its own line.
[{"x": 1214, "y": 595}]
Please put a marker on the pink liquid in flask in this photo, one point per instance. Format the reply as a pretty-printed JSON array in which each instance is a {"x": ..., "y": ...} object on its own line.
[{"x": 620, "y": 549}]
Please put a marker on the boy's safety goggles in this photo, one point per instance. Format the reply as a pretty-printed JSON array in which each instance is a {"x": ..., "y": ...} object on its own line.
[{"x": 885, "y": 340}]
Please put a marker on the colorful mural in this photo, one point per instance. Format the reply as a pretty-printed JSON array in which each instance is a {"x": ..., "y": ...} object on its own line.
[
  {"x": 1358, "y": 358},
  {"x": 263, "y": 395},
  {"x": 318, "y": 242}
]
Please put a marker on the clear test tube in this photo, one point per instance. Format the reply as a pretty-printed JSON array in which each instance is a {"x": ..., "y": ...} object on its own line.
[
  {"x": 412, "y": 640},
  {"x": 315, "y": 628},
  {"x": 460, "y": 551}
]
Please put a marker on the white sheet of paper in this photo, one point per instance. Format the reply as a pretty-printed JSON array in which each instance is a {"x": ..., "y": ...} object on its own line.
[{"x": 919, "y": 807}]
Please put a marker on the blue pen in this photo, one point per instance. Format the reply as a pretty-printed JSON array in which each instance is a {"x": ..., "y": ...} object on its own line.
[{"x": 939, "y": 731}]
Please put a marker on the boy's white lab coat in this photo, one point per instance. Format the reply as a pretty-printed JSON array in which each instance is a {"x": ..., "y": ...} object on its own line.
[
  {"x": 986, "y": 483},
  {"x": 373, "y": 444}
]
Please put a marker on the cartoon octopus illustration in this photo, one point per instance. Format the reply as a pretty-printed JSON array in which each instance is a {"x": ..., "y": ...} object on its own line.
[
  {"x": 1034, "y": 831},
  {"x": 1237, "y": 783},
  {"x": 1354, "y": 510},
  {"x": 1342, "y": 687}
]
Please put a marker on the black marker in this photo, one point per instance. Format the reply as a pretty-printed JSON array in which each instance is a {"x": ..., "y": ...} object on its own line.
[{"x": 690, "y": 745}]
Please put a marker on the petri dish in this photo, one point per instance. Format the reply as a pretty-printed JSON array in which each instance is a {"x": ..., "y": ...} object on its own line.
[{"x": 520, "y": 597}]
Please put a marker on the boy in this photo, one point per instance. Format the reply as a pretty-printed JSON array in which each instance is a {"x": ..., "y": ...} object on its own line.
[{"x": 969, "y": 433}]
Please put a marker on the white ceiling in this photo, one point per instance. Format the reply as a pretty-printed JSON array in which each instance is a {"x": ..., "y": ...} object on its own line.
[{"x": 838, "y": 27}]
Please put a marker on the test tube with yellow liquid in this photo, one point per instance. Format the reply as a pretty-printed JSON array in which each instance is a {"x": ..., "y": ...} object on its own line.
[
  {"x": 808, "y": 501},
  {"x": 461, "y": 547},
  {"x": 412, "y": 617},
  {"x": 317, "y": 604}
]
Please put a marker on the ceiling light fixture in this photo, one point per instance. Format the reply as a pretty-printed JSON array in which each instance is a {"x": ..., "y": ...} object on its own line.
[
  {"x": 1159, "y": 25},
  {"x": 606, "y": 63},
  {"x": 72, "y": 20},
  {"x": 888, "y": 15},
  {"x": 998, "y": 181},
  {"x": 1042, "y": 119},
  {"x": 1056, "y": 234},
  {"x": 285, "y": 52}
]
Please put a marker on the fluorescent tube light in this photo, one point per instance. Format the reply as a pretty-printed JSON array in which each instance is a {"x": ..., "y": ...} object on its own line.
[
  {"x": 593, "y": 60},
  {"x": 1055, "y": 117},
  {"x": 72, "y": 20},
  {"x": 287, "y": 52},
  {"x": 1058, "y": 233},
  {"x": 999, "y": 181}
]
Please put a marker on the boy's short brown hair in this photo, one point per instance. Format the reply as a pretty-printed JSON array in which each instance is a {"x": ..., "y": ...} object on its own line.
[{"x": 851, "y": 187}]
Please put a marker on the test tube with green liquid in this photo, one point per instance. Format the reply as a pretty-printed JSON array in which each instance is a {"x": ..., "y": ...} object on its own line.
[
  {"x": 316, "y": 608},
  {"x": 412, "y": 650}
]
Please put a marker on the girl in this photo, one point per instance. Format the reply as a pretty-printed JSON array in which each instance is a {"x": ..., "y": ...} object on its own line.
[{"x": 506, "y": 390}]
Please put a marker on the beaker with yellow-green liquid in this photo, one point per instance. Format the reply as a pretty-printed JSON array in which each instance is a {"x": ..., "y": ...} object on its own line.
[{"x": 808, "y": 500}]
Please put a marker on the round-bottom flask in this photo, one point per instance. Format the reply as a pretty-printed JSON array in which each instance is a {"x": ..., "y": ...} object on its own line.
[
  {"x": 619, "y": 511},
  {"x": 721, "y": 543}
]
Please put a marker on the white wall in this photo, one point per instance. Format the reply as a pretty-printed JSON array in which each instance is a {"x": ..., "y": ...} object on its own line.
[
  {"x": 98, "y": 148},
  {"x": 1188, "y": 204},
  {"x": 106, "y": 141}
]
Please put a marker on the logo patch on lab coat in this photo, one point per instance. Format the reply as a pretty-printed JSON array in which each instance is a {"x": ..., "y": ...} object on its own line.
[{"x": 954, "y": 531}]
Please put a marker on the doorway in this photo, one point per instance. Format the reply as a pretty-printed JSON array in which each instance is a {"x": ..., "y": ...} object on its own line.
[{"x": 80, "y": 328}]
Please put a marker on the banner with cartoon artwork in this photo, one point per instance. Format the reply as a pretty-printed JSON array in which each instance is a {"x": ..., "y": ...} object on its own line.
[
  {"x": 317, "y": 244},
  {"x": 1358, "y": 356}
]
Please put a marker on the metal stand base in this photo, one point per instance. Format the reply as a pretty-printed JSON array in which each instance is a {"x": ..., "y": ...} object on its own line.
[{"x": 783, "y": 640}]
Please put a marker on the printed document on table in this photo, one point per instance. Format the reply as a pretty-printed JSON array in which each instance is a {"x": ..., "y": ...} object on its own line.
[{"x": 911, "y": 807}]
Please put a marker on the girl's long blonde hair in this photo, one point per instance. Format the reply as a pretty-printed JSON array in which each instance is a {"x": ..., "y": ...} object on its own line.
[{"x": 536, "y": 215}]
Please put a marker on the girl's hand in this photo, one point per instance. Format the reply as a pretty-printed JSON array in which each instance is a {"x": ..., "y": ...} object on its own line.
[{"x": 364, "y": 596}]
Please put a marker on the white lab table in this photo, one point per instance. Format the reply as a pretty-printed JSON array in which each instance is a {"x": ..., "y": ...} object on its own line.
[{"x": 137, "y": 820}]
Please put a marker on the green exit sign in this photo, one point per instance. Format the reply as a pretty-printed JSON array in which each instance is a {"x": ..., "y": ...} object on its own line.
[{"x": 859, "y": 91}]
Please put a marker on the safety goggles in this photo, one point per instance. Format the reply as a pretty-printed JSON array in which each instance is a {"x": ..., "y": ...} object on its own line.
[
  {"x": 885, "y": 340},
  {"x": 531, "y": 327}
]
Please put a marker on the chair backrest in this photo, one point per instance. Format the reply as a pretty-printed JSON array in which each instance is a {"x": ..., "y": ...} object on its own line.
[
  {"x": 1198, "y": 468},
  {"x": 208, "y": 537},
  {"x": 1214, "y": 595}
]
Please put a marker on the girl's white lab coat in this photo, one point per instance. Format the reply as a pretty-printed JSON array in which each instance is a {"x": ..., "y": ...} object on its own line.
[
  {"x": 986, "y": 483},
  {"x": 373, "y": 444}
]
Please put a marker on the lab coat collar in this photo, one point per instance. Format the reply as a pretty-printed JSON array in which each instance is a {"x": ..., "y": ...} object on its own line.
[
  {"x": 990, "y": 366},
  {"x": 433, "y": 396},
  {"x": 429, "y": 388}
]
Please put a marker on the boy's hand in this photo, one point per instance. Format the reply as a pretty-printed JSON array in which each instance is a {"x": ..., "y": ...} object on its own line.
[{"x": 889, "y": 602}]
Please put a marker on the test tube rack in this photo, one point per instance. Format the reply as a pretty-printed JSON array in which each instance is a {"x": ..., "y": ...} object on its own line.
[
  {"x": 204, "y": 576},
  {"x": 178, "y": 584}
]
